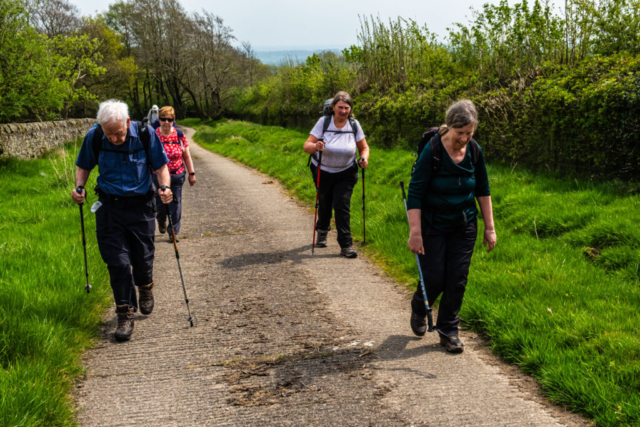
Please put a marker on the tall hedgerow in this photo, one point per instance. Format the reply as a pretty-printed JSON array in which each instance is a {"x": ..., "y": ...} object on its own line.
[{"x": 555, "y": 88}]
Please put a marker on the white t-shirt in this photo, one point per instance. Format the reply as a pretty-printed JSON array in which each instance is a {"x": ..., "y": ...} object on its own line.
[{"x": 339, "y": 148}]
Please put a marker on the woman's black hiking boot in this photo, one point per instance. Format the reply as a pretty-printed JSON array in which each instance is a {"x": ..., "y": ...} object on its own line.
[
  {"x": 321, "y": 241},
  {"x": 145, "y": 298},
  {"x": 451, "y": 343},
  {"x": 125, "y": 323},
  {"x": 418, "y": 324},
  {"x": 349, "y": 252}
]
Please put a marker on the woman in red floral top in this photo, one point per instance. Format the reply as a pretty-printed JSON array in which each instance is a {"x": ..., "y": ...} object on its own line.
[{"x": 180, "y": 163}]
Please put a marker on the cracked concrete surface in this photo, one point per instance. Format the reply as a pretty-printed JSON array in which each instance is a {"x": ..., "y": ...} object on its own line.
[{"x": 286, "y": 338}]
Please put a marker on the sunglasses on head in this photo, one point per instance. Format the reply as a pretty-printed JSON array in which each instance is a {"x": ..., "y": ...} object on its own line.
[{"x": 166, "y": 119}]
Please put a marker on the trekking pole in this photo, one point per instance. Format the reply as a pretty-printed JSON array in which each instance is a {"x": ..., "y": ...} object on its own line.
[
  {"x": 84, "y": 240},
  {"x": 364, "y": 221},
  {"x": 175, "y": 246},
  {"x": 315, "y": 218},
  {"x": 424, "y": 290}
]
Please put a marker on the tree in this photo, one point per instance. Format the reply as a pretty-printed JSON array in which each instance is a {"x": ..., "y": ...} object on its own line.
[
  {"x": 53, "y": 17},
  {"x": 120, "y": 68},
  {"x": 76, "y": 59},
  {"x": 28, "y": 85}
]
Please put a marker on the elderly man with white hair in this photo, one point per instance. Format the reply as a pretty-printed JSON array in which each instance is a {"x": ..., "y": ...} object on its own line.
[{"x": 125, "y": 152}]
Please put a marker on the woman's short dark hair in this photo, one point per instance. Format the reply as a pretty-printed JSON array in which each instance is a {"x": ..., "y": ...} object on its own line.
[{"x": 344, "y": 97}]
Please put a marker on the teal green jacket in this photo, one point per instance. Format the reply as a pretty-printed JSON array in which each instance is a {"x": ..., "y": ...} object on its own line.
[{"x": 448, "y": 199}]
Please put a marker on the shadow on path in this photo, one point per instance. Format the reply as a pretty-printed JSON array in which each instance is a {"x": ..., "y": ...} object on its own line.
[{"x": 296, "y": 255}]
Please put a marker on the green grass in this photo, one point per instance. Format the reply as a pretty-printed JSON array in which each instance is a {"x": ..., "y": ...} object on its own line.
[
  {"x": 46, "y": 317},
  {"x": 559, "y": 296}
]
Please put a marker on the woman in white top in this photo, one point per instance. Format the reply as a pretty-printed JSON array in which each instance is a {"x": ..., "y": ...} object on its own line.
[{"x": 338, "y": 135}]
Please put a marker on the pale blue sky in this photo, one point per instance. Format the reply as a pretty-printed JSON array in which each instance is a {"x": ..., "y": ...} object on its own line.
[{"x": 299, "y": 24}]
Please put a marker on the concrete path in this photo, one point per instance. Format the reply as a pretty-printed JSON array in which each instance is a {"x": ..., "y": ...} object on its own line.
[{"x": 284, "y": 338}]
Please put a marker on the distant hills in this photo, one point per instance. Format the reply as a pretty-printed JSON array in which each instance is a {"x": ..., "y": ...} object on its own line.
[{"x": 277, "y": 57}]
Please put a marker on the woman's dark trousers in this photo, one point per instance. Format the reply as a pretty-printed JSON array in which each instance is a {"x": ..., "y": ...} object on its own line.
[
  {"x": 445, "y": 267},
  {"x": 335, "y": 194},
  {"x": 177, "y": 182},
  {"x": 125, "y": 228}
]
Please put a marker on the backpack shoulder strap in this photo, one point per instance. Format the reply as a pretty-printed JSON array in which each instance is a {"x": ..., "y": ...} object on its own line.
[
  {"x": 145, "y": 137},
  {"x": 475, "y": 152},
  {"x": 180, "y": 134},
  {"x": 326, "y": 124},
  {"x": 436, "y": 155},
  {"x": 354, "y": 126},
  {"x": 96, "y": 142}
]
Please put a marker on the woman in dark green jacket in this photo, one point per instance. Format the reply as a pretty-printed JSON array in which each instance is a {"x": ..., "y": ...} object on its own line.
[{"x": 443, "y": 220}]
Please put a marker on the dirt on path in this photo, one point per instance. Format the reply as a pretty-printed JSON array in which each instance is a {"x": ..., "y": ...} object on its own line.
[{"x": 286, "y": 338}]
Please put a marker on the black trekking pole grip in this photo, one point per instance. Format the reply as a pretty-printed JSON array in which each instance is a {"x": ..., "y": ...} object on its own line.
[
  {"x": 404, "y": 195},
  {"x": 79, "y": 191}
]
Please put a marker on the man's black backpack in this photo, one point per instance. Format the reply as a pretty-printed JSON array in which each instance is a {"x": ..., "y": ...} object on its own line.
[
  {"x": 436, "y": 151},
  {"x": 143, "y": 133},
  {"x": 327, "y": 123}
]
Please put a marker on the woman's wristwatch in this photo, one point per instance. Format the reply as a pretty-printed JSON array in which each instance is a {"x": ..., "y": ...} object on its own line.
[{"x": 192, "y": 174}]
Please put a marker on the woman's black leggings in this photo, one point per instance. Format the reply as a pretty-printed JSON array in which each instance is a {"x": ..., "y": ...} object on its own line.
[
  {"x": 335, "y": 194},
  {"x": 445, "y": 267}
]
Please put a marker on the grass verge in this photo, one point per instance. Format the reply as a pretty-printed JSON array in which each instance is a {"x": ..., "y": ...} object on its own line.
[
  {"x": 46, "y": 317},
  {"x": 560, "y": 295}
]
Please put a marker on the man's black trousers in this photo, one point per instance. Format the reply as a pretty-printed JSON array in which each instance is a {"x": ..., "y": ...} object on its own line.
[
  {"x": 335, "y": 194},
  {"x": 445, "y": 267},
  {"x": 125, "y": 228}
]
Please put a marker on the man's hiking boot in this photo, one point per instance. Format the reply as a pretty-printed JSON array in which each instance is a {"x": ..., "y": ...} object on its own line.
[
  {"x": 321, "y": 241},
  {"x": 125, "y": 323},
  {"x": 145, "y": 298},
  {"x": 418, "y": 324},
  {"x": 162, "y": 227},
  {"x": 171, "y": 238},
  {"x": 348, "y": 252},
  {"x": 452, "y": 343}
]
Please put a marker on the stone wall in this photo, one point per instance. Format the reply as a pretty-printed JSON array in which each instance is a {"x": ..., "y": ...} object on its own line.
[{"x": 30, "y": 140}]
